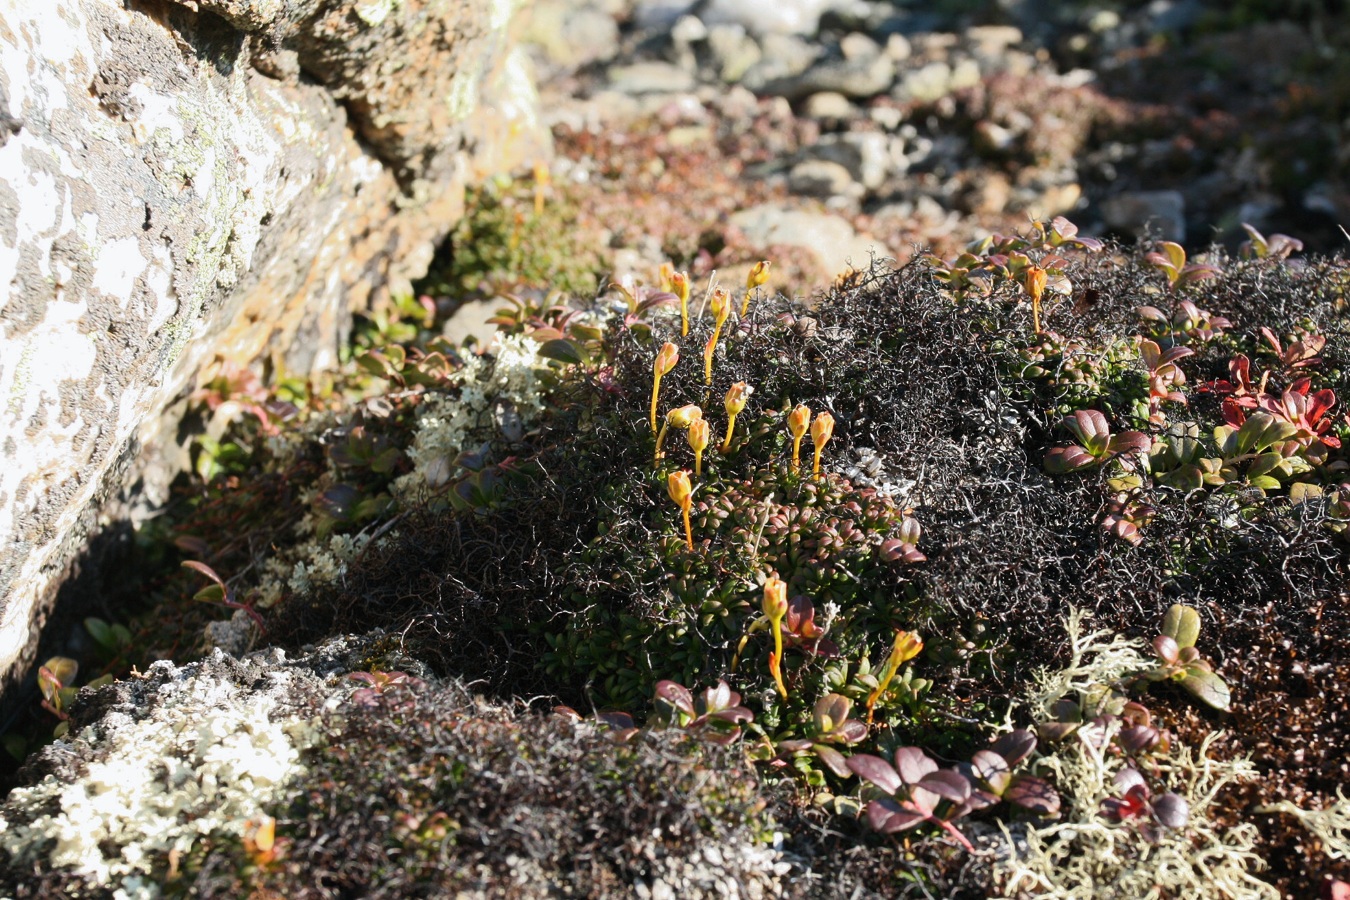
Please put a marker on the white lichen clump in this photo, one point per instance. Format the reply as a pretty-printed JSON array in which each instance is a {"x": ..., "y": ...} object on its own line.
[
  {"x": 500, "y": 393},
  {"x": 1083, "y": 854},
  {"x": 208, "y": 759}
]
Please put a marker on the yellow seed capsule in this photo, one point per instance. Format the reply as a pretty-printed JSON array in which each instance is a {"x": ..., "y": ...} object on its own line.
[
  {"x": 679, "y": 284},
  {"x": 734, "y": 403},
  {"x": 822, "y": 429},
  {"x": 684, "y": 416},
  {"x": 757, "y": 277},
  {"x": 775, "y": 605},
  {"x": 667, "y": 275},
  {"x": 679, "y": 488},
  {"x": 798, "y": 421},
  {"x": 699, "y": 434},
  {"x": 1036, "y": 278},
  {"x": 721, "y": 309},
  {"x": 679, "y": 417},
  {"x": 907, "y": 645},
  {"x": 677, "y": 485},
  {"x": 737, "y": 396},
  {"x": 666, "y": 358}
]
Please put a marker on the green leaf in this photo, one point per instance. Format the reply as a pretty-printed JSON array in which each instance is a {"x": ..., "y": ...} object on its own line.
[
  {"x": 1302, "y": 491},
  {"x": 1182, "y": 624},
  {"x": 1264, "y": 464},
  {"x": 1186, "y": 478},
  {"x": 1208, "y": 688},
  {"x": 212, "y": 593},
  {"x": 565, "y": 351},
  {"x": 15, "y": 746},
  {"x": 373, "y": 363},
  {"x": 101, "y": 632}
]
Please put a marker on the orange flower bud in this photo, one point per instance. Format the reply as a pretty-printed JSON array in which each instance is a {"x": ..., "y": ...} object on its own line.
[
  {"x": 736, "y": 398},
  {"x": 679, "y": 285},
  {"x": 720, "y": 306},
  {"x": 735, "y": 401},
  {"x": 666, "y": 358},
  {"x": 907, "y": 645},
  {"x": 775, "y": 607},
  {"x": 679, "y": 417},
  {"x": 677, "y": 485},
  {"x": 822, "y": 429},
  {"x": 1036, "y": 279},
  {"x": 699, "y": 435},
  {"x": 721, "y": 309},
  {"x": 684, "y": 416},
  {"x": 799, "y": 420},
  {"x": 679, "y": 488},
  {"x": 758, "y": 275}
]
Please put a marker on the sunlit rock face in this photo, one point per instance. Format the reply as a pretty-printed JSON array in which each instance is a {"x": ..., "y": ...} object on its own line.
[{"x": 189, "y": 185}]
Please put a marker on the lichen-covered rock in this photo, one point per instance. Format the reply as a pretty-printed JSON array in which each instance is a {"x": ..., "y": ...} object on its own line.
[{"x": 188, "y": 184}]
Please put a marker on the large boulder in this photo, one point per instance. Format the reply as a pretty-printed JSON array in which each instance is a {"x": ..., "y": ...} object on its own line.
[{"x": 190, "y": 184}]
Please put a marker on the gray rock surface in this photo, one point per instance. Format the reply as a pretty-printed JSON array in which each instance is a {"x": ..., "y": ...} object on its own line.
[
  {"x": 191, "y": 184},
  {"x": 866, "y": 155},
  {"x": 1162, "y": 213},
  {"x": 762, "y": 17},
  {"x": 829, "y": 238},
  {"x": 822, "y": 178}
]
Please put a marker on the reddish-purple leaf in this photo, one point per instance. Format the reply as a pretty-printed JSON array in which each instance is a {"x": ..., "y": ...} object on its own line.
[
  {"x": 1130, "y": 442},
  {"x": 736, "y": 715},
  {"x": 1017, "y": 744},
  {"x": 888, "y": 816},
  {"x": 992, "y": 769},
  {"x": 1138, "y": 738},
  {"x": 677, "y": 695},
  {"x": 946, "y": 784},
  {"x": 876, "y": 770},
  {"x": 912, "y": 764},
  {"x": 1166, "y": 648},
  {"x": 851, "y": 732},
  {"x": 615, "y": 719},
  {"x": 1056, "y": 731},
  {"x": 204, "y": 569},
  {"x": 1127, "y": 779},
  {"x": 1171, "y": 810},
  {"x": 1035, "y": 794},
  {"x": 1063, "y": 460},
  {"x": 977, "y": 801}
]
